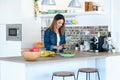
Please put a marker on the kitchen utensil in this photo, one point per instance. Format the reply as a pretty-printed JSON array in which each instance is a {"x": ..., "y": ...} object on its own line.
[
  {"x": 68, "y": 53},
  {"x": 51, "y": 11},
  {"x": 61, "y": 11}
]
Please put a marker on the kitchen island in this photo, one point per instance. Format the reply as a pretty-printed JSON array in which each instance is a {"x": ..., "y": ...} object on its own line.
[{"x": 16, "y": 68}]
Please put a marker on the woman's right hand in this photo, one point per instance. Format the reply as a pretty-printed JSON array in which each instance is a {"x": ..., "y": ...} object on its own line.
[{"x": 58, "y": 47}]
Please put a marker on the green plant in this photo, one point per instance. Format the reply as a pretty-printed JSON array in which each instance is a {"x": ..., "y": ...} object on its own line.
[
  {"x": 36, "y": 0},
  {"x": 113, "y": 47},
  {"x": 81, "y": 41},
  {"x": 36, "y": 8}
]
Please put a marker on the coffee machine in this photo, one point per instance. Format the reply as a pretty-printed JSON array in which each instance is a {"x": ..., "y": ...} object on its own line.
[
  {"x": 103, "y": 45},
  {"x": 99, "y": 44}
]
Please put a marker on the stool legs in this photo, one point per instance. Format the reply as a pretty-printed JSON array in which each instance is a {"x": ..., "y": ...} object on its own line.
[
  {"x": 98, "y": 76},
  {"x": 52, "y": 77},
  {"x": 88, "y": 75},
  {"x": 77, "y": 75},
  {"x": 74, "y": 77},
  {"x": 63, "y": 78}
]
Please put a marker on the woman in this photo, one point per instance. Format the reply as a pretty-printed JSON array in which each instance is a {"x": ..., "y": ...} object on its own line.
[{"x": 54, "y": 36}]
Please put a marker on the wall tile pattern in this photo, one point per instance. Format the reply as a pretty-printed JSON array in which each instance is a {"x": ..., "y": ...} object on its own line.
[{"x": 73, "y": 34}]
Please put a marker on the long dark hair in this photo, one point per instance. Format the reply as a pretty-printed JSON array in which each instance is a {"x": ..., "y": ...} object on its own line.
[{"x": 54, "y": 23}]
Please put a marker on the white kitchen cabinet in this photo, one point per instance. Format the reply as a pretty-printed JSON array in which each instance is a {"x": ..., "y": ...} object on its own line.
[
  {"x": 18, "y": 69},
  {"x": 109, "y": 68},
  {"x": 8, "y": 48},
  {"x": 15, "y": 68}
]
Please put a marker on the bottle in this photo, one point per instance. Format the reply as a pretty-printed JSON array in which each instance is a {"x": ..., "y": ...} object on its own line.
[
  {"x": 96, "y": 50},
  {"x": 96, "y": 44},
  {"x": 76, "y": 47},
  {"x": 109, "y": 34},
  {"x": 109, "y": 41}
]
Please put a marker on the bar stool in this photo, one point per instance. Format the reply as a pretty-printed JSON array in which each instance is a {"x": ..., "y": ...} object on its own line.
[
  {"x": 88, "y": 71},
  {"x": 63, "y": 74}
]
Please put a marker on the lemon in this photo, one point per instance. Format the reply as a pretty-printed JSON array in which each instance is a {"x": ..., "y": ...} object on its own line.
[{"x": 74, "y": 22}]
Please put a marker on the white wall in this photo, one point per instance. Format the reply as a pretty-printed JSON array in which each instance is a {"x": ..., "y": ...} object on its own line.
[
  {"x": 10, "y": 11},
  {"x": 115, "y": 16},
  {"x": 31, "y": 27}
]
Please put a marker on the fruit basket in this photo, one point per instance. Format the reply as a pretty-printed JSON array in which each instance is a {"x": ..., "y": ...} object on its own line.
[
  {"x": 30, "y": 56},
  {"x": 67, "y": 54}
]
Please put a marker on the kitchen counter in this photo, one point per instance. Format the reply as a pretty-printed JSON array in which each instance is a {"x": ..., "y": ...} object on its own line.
[
  {"x": 42, "y": 69},
  {"x": 79, "y": 55}
]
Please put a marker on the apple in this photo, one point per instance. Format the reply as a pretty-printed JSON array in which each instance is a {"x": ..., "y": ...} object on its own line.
[
  {"x": 31, "y": 50},
  {"x": 26, "y": 50},
  {"x": 35, "y": 49}
]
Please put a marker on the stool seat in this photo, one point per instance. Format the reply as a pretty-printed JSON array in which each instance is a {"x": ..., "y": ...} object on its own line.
[
  {"x": 63, "y": 73},
  {"x": 88, "y": 70}
]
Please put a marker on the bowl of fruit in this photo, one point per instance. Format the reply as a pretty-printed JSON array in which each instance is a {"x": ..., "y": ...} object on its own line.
[
  {"x": 31, "y": 54},
  {"x": 67, "y": 54}
]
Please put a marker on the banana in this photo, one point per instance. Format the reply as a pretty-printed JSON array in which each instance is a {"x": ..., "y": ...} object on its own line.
[{"x": 46, "y": 53}]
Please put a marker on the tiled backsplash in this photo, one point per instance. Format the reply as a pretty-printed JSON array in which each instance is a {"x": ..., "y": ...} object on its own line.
[{"x": 73, "y": 34}]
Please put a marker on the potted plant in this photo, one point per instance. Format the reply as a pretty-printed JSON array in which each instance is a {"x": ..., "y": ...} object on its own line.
[
  {"x": 81, "y": 42},
  {"x": 113, "y": 49}
]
